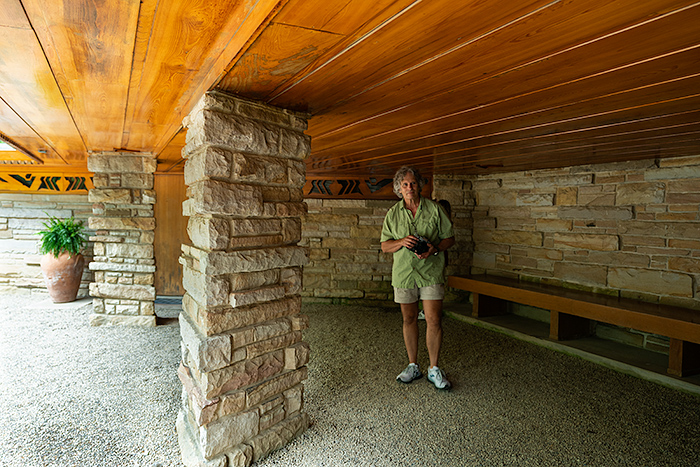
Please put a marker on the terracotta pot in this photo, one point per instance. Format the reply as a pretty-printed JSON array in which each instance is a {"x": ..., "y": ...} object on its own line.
[{"x": 62, "y": 275}]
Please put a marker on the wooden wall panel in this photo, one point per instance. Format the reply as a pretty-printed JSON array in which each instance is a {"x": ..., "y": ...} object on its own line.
[{"x": 170, "y": 233}]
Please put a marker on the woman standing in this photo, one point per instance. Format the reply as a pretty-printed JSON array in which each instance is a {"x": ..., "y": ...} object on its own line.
[{"x": 418, "y": 231}]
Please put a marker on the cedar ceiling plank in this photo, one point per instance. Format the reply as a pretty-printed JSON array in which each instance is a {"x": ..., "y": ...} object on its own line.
[
  {"x": 689, "y": 139},
  {"x": 311, "y": 14},
  {"x": 23, "y": 135},
  {"x": 556, "y": 120},
  {"x": 622, "y": 82},
  {"x": 143, "y": 36},
  {"x": 28, "y": 87},
  {"x": 173, "y": 151},
  {"x": 90, "y": 50},
  {"x": 277, "y": 55},
  {"x": 574, "y": 158},
  {"x": 641, "y": 103},
  {"x": 541, "y": 80},
  {"x": 658, "y": 36},
  {"x": 13, "y": 15},
  {"x": 192, "y": 47},
  {"x": 602, "y": 137},
  {"x": 339, "y": 17},
  {"x": 376, "y": 21},
  {"x": 426, "y": 30}
]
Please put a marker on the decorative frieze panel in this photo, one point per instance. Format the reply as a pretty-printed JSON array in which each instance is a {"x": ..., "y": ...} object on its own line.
[{"x": 46, "y": 182}]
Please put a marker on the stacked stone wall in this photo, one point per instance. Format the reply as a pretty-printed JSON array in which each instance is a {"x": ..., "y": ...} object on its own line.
[
  {"x": 244, "y": 361},
  {"x": 343, "y": 237},
  {"x": 22, "y": 216},
  {"x": 626, "y": 229},
  {"x": 124, "y": 224},
  {"x": 346, "y": 261}
]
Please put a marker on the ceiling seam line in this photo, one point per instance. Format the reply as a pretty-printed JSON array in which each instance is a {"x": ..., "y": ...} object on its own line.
[{"x": 532, "y": 62}]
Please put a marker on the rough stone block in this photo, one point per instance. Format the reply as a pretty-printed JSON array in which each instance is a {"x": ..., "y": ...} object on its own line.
[
  {"x": 209, "y": 163},
  {"x": 122, "y": 223},
  {"x": 121, "y": 267},
  {"x": 534, "y": 199},
  {"x": 263, "y": 294},
  {"x": 240, "y": 456},
  {"x": 236, "y": 133},
  {"x": 670, "y": 173},
  {"x": 651, "y": 281},
  {"x": 255, "y": 227},
  {"x": 208, "y": 291},
  {"x": 189, "y": 446},
  {"x": 553, "y": 225},
  {"x": 128, "y": 250},
  {"x": 273, "y": 344},
  {"x": 207, "y": 353},
  {"x": 586, "y": 241},
  {"x": 252, "y": 260},
  {"x": 291, "y": 279},
  {"x": 639, "y": 194},
  {"x": 685, "y": 264},
  {"x": 110, "y": 195},
  {"x": 588, "y": 274},
  {"x": 129, "y": 292},
  {"x": 216, "y": 197},
  {"x": 496, "y": 198},
  {"x": 299, "y": 322},
  {"x": 254, "y": 280},
  {"x": 294, "y": 144},
  {"x": 296, "y": 356},
  {"x": 277, "y": 385},
  {"x": 144, "y": 181},
  {"x": 278, "y": 435},
  {"x": 121, "y": 163},
  {"x": 208, "y": 233},
  {"x": 294, "y": 399},
  {"x": 517, "y": 237},
  {"x": 227, "y": 432},
  {"x": 599, "y": 213},
  {"x": 121, "y": 320}
]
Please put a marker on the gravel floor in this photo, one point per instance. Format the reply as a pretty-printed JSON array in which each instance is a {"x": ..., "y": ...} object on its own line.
[{"x": 73, "y": 395}]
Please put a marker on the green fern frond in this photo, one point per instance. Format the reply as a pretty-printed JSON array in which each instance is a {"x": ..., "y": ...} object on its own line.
[{"x": 62, "y": 235}]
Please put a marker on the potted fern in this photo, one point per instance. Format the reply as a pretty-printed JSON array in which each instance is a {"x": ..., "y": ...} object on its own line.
[{"x": 62, "y": 263}]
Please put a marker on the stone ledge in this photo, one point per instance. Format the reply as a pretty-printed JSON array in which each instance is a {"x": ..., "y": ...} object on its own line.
[
  {"x": 121, "y": 267},
  {"x": 121, "y": 320},
  {"x": 129, "y": 292}
]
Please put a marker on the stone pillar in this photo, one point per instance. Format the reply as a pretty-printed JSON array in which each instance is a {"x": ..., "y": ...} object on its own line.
[
  {"x": 243, "y": 360},
  {"x": 123, "y": 263}
]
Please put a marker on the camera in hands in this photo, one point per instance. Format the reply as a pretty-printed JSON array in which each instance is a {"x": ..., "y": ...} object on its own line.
[{"x": 421, "y": 245}]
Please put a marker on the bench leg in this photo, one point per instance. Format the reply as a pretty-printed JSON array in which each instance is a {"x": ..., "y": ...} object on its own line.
[
  {"x": 564, "y": 327},
  {"x": 683, "y": 358},
  {"x": 484, "y": 306}
]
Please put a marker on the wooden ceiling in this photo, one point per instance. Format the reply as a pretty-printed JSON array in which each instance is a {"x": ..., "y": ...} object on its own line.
[{"x": 450, "y": 86}]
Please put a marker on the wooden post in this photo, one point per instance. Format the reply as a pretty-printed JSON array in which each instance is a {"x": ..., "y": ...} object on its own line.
[
  {"x": 564, "y": 327},
  {"x": 484, "y": 306},
  {"x": 683, "y": 358}
]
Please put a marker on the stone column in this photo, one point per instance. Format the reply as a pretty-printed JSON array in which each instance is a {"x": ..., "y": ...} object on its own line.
[
  {"x": 243, "y": 359},
  {"x": 123, "y": 263}
]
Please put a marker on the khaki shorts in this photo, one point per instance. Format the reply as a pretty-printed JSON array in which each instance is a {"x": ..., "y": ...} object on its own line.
[{"x": 432, "y": 292}]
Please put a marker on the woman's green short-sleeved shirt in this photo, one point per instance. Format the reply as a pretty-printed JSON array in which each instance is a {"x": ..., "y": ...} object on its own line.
[{"x": 431, "y": 221}]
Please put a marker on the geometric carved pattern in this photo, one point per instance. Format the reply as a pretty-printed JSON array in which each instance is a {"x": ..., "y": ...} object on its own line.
[
  {"x": 349, "y": 188},
  {"x": 46, "y": 183}
]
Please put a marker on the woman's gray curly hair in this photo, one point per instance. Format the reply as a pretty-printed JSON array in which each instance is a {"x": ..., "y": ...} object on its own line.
[{"x": 401, "y": 174}]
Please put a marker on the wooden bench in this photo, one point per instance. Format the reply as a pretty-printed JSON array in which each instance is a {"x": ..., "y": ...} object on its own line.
[{"x": 572, "y": 313}]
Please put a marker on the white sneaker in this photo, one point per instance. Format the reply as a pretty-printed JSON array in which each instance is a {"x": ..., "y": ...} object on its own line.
[
  {"x": 411, "y": 372},
  {"x": 437, "y": 377},
  {"x": 421, "y": 315}
]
